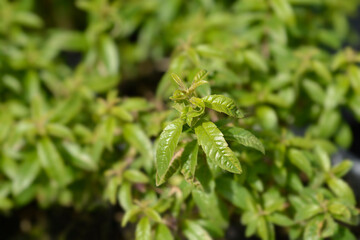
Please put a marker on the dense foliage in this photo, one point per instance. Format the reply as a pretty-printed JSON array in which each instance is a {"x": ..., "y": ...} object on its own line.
[{"x": 251, "y": 137}]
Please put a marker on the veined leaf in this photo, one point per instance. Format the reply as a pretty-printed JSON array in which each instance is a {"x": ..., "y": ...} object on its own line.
[
  {"x": 198, "y": 80},
  {"x": 216, "y": 148},
  {"x": 179, "y": 82},
  {"x": 189, "y": 160},
  {"x": 166, "y": 148},
  {"x": 222, "y": 104},
  {"x": 242, "y": 137},
  {"x": 143, "y": 229}
]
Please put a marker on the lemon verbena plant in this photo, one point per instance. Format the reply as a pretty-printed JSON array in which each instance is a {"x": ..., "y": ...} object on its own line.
[{"x": 194, "y": 122}]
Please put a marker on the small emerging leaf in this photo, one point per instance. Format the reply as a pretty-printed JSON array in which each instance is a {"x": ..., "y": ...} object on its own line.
[{"x": 179, "y": 82}]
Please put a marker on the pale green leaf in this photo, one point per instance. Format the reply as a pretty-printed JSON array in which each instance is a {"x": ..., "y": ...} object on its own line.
[
  {"x": 138, "y": 139},
  {"x": 193, "y": 231},
  {"x": 143, "y": 229},
  {"x": 135, "y": 176},
  {"x": 341, "y": 189},
  {"x": 163, "y": 233},
  {"x": 51, "y": 161},
  {"x": 178, "y": 81},
  {"x": 299, "y": 159}
]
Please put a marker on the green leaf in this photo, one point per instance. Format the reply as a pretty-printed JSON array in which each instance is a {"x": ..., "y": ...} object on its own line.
[
  {"x": 210, "y": 51},
  {"x": 163, "y": 233},
  {"x": 178, "y": 81},
  {"x": 283, "y": 10},
  {"x": 312, "y": 229},
  {"x": 193, "y": 231},
  {"x": 265, "y": 229},
  {"x": 344, "y": 136},
  {"x": 328, "y": 123},
  {"x": 60, "y": 131},
  {"x": 130, "y": 214},
  {"x": 109, "y": 54},
  {"x": 28, "y": 19},
  {"x": 216, "y": 148},
  {"x": 108, "y": 131},
  {"x": 341, "y": 169},
  {"x": 233, "y": 192},
  {"x": 122, "y": 114},
  {"x": 354, "y": 74},
  {"x": 222, "y": 104},
  {"x": 267, "y": 117},
  {"x": 299, "y": 159},
  {"x": 27, "y": 173},
  {"x": 314, "y": 90},
  {"x": 205, "y": 201},
  {"x": 344, "y": 233},
  {"x": 280, "y": 219},
  {"x": 198, "y": 80},
  {"x": 51, "y": 161},
  {"x": 102, "y": 83},
  {"x": 330, "y": 228},
  {"x": 323, "y": 158},
  {"x": 189, "y": 160},
  {"x": 308, "y": 211},
  {"x": 242, "y": 137},
  {"x": 341, "y": 189},
  {"x": 124, "y": 196},
  {"x": 135, "y": 176},
  {"x": 153, "y": 214},
  {"x": 79, "y": 157},
  {"x": 166, "y": 148},
  {"x": 322, "y": 71},
  {"x": 138, "y": 139},
  {"x": 143, "y": 229},
  {"x": 255, "y": 61},
  {"x": 66, "y": 110},
  {"x": 195, "y": 111},
  {"x": 339, "y": 209}
]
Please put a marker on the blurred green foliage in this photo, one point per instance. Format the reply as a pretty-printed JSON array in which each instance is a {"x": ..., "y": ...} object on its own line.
[{"x": 70, "y": 136}]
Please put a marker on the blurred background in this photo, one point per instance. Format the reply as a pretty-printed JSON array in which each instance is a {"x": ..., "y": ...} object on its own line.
[{"x": 58, "y": 58}]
